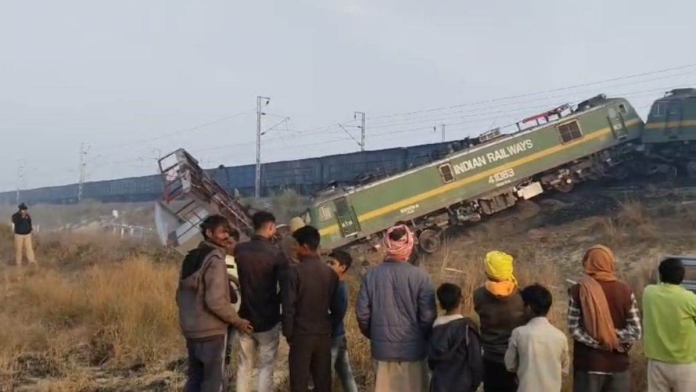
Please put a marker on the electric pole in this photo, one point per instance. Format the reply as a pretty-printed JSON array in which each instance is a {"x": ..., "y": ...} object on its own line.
[
  {"x": 259, "y": 113},
  {"x": 84, "y": 147},
  {"x": 158, "y": 155},
  {"x": 362, "y": 129},
  {"x": 20, "y": 178},
  {"x": 443, "y": 131}
]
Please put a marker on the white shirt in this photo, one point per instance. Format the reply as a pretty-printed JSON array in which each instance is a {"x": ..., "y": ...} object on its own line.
[
  {"x": 446, "y": 319},
  {"x": 538, "y": 353},
  {"x": 232, "y": 272}
]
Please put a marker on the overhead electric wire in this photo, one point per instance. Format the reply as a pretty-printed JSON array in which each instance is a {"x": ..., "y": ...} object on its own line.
[
  {"x": 180, "y": 131},
  {"x": 537, "y": 92},
  {"x": 335, "y": 126},
  {"x": 451, "y": 126},
  {"x": 431, "y": 118}
]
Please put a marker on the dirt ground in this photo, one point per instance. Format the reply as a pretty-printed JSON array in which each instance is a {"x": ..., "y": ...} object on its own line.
[{"x": 99, "y": 315}]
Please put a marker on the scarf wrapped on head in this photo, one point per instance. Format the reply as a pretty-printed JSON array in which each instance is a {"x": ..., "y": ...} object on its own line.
[
  {"x": 599, "y": 266},
  {"x": 501, "y": 279},
  {"x": 401, "y": 248}
]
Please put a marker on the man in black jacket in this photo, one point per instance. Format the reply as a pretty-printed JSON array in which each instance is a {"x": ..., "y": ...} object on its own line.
[
  {"x": 310, "y": 309},
  {"x": 22, "y": 228},
  {"x": 259, "y": 265}
]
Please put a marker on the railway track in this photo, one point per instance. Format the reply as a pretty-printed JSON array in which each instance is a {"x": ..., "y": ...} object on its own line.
[{"x": 651, "y": 191}]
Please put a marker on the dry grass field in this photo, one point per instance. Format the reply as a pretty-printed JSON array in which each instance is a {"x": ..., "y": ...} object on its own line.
[{"x": 99, "y": 313}]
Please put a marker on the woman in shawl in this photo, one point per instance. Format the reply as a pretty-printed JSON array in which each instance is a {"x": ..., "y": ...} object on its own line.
[
  {"x": 603, "y": 321},
  {"x": 501, "y": 309}
]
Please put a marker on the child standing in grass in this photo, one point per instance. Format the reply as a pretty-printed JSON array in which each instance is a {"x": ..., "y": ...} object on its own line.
[
  {"x": 340, "y": 262},
  {"x": 454, "y": 350},
  {"x": 538, "y": 351}
]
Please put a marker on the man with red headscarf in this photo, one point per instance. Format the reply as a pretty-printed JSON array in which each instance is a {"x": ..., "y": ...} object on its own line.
[
  {"x": 396, "y": 310},
  {"x": 603, "y": 320}
]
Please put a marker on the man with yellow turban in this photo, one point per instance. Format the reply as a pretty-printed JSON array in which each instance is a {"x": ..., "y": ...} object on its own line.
[{"x": 501, "y": 309}]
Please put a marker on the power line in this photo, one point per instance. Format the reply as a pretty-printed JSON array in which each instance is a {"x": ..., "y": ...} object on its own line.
[
  {"x": 435, "y": 118},
  {"x": 428, "y": 116},
  {"x": 336, "y": 126},
  {"x": 428, "y": 127},
  {"x": 456, "y": 126},
  {"x": 537, "y": 92},
  {"x": 451, "y": 125},
  {"x": 180, "y": 131}
]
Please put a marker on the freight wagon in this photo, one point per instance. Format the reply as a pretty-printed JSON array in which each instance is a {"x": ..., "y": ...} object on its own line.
[
  {"x": 566, "y": 146},
  {"x": 304, "y": 176}
]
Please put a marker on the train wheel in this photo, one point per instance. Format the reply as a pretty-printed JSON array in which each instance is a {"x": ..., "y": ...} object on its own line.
[
  {"x": 430, "y": 240},
  {"x": 564, "y": 187},
  {"x": 621, "y": 173},
  {"x": 691, "y": 169}
]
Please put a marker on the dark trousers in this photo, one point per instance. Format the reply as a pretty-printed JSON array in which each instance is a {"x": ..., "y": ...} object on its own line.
[
  {"x": 310, "y": 355},
  {"x": 614, "y": 382},
  {"x": 206, "y": 369},
  {"x": 496, "y": 378}
]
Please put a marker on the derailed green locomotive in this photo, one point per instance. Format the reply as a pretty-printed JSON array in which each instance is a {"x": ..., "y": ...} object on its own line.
[
  {"x": 568, "y": 146},
  {"x": 669, "y": 136}
]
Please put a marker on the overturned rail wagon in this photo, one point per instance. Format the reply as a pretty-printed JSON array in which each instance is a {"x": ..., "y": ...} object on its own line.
[{"x": 191, "y": 195}]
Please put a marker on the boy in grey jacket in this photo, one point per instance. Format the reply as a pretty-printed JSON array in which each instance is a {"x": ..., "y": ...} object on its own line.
[{"x": 205, "y": 311}]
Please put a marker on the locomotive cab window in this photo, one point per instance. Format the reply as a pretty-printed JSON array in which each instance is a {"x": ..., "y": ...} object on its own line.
[
  {"x": 659, "y": 109},
  {"x": 622, "y": 109},
  {"x": 570, "y": 131},
  {"x": 325, "y": 213},
  {"x": 675, "y": 110},
  {"x": 446, "y": 173}
]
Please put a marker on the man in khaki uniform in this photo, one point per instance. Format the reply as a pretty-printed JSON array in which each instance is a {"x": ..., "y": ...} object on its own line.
[{"x": 22, "y": 228}]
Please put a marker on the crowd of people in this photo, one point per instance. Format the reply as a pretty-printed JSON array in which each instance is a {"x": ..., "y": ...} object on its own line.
[{"x": 291, "y": 290}]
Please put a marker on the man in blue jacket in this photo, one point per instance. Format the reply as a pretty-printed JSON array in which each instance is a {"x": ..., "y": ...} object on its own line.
[{"x": 395, "y": 310}]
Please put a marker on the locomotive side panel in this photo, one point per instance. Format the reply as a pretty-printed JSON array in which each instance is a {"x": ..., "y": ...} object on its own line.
[{"x": 476, "y": 172}]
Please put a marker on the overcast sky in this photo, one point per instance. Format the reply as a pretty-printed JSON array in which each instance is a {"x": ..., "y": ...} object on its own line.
[{"x": 134, "y": 78}]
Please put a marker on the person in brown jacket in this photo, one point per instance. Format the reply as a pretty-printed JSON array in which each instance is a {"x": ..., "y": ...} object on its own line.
[
  {"x": 289, "y": 244},
  {"x": 604, "y": 323},
  {"x": 205, "y": 310},
  {"x": 310, "y": 310}
]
